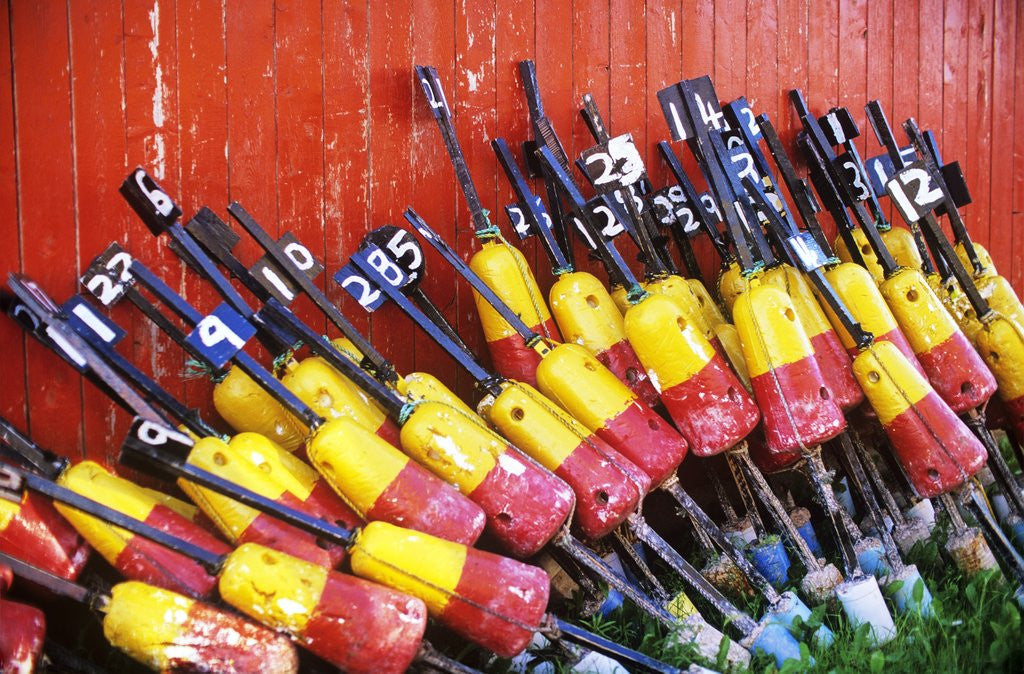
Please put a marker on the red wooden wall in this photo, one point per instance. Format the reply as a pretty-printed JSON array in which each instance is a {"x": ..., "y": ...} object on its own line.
[{"x": 308, "y": 114}]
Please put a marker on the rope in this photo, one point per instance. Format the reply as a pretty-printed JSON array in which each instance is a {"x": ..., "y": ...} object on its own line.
[
  {"x": 636, "y": 294},
  {"x": 195, "y": 369},
  {"x": 284, "y": 358},
  {"x": 558, "y": 271}
]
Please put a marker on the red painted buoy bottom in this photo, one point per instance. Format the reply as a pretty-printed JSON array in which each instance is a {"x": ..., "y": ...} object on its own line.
[
  {"x": 711, "y": 409},
  {"x": 390, "y": 431},
  {"x": 767, "y": 461},
  {"x": 837, "y": 369},
  {"x": 646, "y": 440},
  {"x": 897, "y": 339},
  {"x": 622, "y": 361},
  {"x": 514, "y": 360},
  {"x": 797, "y": 409},
  {"x": 525, "y": 504},
  {"x": 142, "y": 559},
  {"x": 273, "y": 533},
  {"x": 524, "y": 599},
  {"x": 38, "y": 533},
  {"x": 360, "y": 626},
  {"x": 22, "y": 632},
  {"x": 222, "y": 642},
  {"x": 935, "y": 448},
  {"x": 605, "y": 496},
  {"x": 417, "y": 499},
  {"x": 958, "y": 374}
]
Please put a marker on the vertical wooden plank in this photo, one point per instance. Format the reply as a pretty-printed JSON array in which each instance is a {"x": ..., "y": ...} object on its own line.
[
  {"x": 698, "y": 59},
  {"x": 474, "y": 88},
  {"x": 954, "y": 91},
  {"x": 979, "y": 118},
  {"x": 391, "y": 98},
  {"x": 203, "y": 131},
  {"x": 762, "y": 83},
  {"x": 792, "y": 45},
  {"x": 1017, "y": 270},
  {"x": 906, "y": 65},
  {"x": 14, "y": 396},
  {"x": 46, "y": 196},
  {"x": 627, "y": 57},
  {"x": 929, "y": 96},
  {"x": 1001, "y": 168},
  {"x": 590, "y": 74},
  {"x": 880, "y": 72},
  {"x": 101, "y": 163},
  {"x": 251, "y": 113},
  {"x": 853, "y": 67},
  {"x": 823, "y": 67},
  {"x": 435, "y": 188},
  {"x": 298, "y": 52},
  {"x": 730, "y": 76},
  {"x": 346, "y": 144},
  {"x": 151, "y": 118},
  {"x": 664, "y": 67}
]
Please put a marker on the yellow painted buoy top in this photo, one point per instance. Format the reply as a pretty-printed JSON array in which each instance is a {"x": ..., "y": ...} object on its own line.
[
  {"x": 585, "y": 312},
  {"x": 505, "y": 271},
  {"x": 669, "y": 346}
]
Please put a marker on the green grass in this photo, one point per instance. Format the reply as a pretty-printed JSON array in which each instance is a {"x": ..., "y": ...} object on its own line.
[{"x": 976, "y": 628}]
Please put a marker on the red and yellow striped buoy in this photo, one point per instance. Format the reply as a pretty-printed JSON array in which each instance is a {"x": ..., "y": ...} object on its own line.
[
  {"x": 859, "y": 293},
  {"x": 586, "y": 315},
  {"x": 525, "y": 504},
  {"x": 601, "y": 478},
  {"x": 935, "y": 448},
  {"x": 796, "y": 406},
  {"x": 833, "y": 361},
  {"x": 988, "y": 268},
  {"x": 245, "y": 462},
  {"x": 332, "y": 396},
  {"x": 354, "y": 624},
  {"x": 246, "y": 406},
  {"x": 381, "y": 483},
  {"x": 32, "y": 529},
  {"x": 494, "y": 601},
  {"x": 505, "y": 271},
  {"x": 586, "y": 390},
  {"x": 954, "y": 368},
  {"x": 169, "y": 632},
  {"x": 136, "y": 557},
  {"x": 709, "y": 405}
]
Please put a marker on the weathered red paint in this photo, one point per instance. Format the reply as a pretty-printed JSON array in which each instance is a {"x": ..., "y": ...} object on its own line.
[
  {"x": 935, "y": 448},
  {"x": 390, "y": 431},
  {"x": 711, "y": 409},
  {"x": 958, "y": 374},
  {"x": 766, "y": 460},
  {"x": 797, "y": 409},
  {"x": 324, "y": 501},
  {"x": 142, "y": 559},
  {"x": 498, "y": 588},
  {"x": 22, "y": 636},
  {"x": 621, "y": 359},
  {"x": 419, "y": 500},
  {"x": 360, "y": 626},
  {"x": 222, "y": 641},
  {"x": 512, "y": 359},
  {"x": 525, "y": 504},
  {"x": 647, "y": 440},
  {"x": 835, "y": 366},
  {"x": 273, "y": 533},
  {"x": 6, "y": 578},
  {"x": 605, "y": 495},
  {"x": 39, "y": 534}
]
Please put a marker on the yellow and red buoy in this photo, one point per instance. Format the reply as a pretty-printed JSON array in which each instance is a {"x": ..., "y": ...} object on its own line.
[
  {"x": 709, "y": 405},
  {"x": 589, "y": 392},
  {"x": 33, "y": 529},
  {"x": 586, "y": 315},
  {"x": 382, "y": 483},
  {"x": 603, "y": 481},
  {"x": 505, "y": 271},
  {"x": 170, "y": 632},
  {"x": 935, "y": 448},
  {"x": 525, "y": 504},
  {"x": 246, "y": 406},
  {"x": 134, "y": 556},
  {"x": 354, "y": 624},
  {"x": 494, "y": 601},
  {"x": 796, "y": 407}
]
